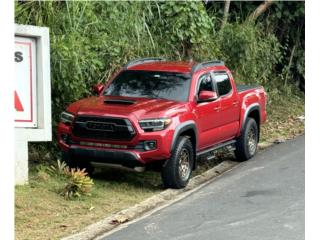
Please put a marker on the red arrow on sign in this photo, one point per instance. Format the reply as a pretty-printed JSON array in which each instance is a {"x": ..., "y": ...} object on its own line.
[{"x": 17, "y": 103}]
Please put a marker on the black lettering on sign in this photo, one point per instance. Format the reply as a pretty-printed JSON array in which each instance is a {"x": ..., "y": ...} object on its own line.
[{"x": 18, "y": 57}]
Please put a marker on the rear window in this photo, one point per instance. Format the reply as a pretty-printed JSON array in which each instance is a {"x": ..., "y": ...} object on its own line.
[{"x": 151, "y": 84}]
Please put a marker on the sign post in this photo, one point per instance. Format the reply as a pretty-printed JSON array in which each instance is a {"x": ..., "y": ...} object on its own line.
[{"x": 32, "y": 95}]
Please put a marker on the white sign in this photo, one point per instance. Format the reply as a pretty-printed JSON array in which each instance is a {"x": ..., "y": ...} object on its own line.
[
  {"x": 25, "y": 94},
  {"x": 32, "y": 95}
]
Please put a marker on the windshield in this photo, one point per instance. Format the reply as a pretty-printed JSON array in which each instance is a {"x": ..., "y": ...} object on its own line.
[{"x": 150, "y": 84}]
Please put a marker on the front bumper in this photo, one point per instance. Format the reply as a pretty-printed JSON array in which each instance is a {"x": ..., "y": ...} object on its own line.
[{"x": 129, "y": 156}]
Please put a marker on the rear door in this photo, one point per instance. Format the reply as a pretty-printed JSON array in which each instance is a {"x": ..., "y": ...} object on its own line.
[{"x": 229, "y": 103}]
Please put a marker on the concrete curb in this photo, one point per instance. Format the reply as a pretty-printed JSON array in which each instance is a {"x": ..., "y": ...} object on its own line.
[
  {"x": 102, "y": 227},
  {"x": 264, "y": 145},
  {"x": 111, "y": 222}
]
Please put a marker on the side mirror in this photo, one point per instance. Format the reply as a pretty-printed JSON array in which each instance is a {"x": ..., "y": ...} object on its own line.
[
  {"x": 207, "y": 96},
  {"x": 98, "y": 88}
]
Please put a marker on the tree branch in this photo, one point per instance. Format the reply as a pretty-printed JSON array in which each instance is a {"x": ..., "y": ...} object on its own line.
[{"x": 260, "y": 10}]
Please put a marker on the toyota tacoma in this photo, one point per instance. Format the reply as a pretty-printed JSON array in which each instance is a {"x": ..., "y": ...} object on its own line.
[{"x": 162, "y": 115}]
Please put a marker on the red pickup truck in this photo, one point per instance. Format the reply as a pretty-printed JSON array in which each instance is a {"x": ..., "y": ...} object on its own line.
[{"x": 156, "y": 114}]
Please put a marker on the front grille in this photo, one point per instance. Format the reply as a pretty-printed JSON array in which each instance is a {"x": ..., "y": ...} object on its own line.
[{"x": 103, "y": 128}]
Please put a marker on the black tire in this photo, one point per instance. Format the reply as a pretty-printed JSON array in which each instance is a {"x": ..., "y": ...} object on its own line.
[
  {"x": 73, "y": 162},
  {"x": 247, "y": 144},
  {"x": 176, "y": 172}
]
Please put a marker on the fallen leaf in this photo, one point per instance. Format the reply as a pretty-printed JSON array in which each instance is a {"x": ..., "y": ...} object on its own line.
[{"x": 119, "y": 220}]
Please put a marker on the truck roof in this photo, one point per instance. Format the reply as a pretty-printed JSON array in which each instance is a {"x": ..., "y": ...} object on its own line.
[
  {"x": 159, "y": 64},
  {"x": 169, "y": 66}
]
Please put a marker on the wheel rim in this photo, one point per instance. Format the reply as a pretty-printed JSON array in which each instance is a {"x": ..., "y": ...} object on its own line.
[
  {"x": 184, "y": 164},
  {"x": 252, "y": 141}
]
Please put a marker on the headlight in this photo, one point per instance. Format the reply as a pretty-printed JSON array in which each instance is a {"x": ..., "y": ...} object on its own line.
[
  {"x": 66, "y": 118},
  {"x": 150, "y": 125}
]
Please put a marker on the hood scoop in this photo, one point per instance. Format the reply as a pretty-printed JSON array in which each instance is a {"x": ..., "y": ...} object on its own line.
[{"x": 119, "y": 101}]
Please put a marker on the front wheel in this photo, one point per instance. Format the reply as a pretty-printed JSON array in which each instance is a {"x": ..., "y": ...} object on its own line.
[
  {"x": 247, "y": 143},
  {"x": 177, "y": 170}
]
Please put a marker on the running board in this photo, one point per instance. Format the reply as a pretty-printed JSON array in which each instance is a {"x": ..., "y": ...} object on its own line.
[{"x": 221, "y": 145}]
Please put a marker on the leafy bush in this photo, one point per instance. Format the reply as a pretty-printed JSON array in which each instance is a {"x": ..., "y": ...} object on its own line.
[
  {"x": 58, "y": 170},
  {"x": 251, "y": 53},
  {"x": 79, "y": 183},
  {"x": 76, "y": 181},
  {"x": 186, "y": 25}
]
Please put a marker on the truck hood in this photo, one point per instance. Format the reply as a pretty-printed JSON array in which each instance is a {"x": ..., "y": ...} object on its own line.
[{"x": 141, "y": 108}]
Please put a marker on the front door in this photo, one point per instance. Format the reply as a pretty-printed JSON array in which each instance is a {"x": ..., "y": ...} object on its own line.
[{"x": 207, "y": 113}]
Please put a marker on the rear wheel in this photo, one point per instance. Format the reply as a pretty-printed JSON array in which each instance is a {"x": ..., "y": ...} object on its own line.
[
  {"x": 177, "y": 170},
  {"x": 247, "y": 143}
]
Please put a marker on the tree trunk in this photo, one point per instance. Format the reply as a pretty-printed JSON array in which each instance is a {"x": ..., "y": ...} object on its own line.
[
  {"x": 225, "y": 13},
  {"x": 289, "y": 65},
  {"x": 260, "y": 10}
]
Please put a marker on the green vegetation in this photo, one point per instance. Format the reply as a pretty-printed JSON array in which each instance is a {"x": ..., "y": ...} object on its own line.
[
  {"x": 79, "y": 184},
  {"x": 91, "y": 40}
]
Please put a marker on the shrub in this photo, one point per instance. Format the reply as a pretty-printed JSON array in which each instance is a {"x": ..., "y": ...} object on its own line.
[
  {"x": 250, "y": 52},
  {"x": 188, "y": 27},
  {"x": 79, "y": 183},
  {"x": 58, "y": 170}
]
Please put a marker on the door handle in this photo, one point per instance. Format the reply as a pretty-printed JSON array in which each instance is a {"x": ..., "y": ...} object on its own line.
[
  {"x": 235, "y": 103},
  {"x": 217, "y": 108}
]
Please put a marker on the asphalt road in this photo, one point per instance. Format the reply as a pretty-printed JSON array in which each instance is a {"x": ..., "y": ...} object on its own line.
[{"x": 260, "y": 199}]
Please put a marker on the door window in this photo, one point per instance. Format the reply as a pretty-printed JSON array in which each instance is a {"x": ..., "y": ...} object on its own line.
[
  {"x": 223, "y": 83},
  {"x": 205, "y": 83}
]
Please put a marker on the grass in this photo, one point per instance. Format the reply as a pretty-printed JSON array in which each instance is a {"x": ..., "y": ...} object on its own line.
[
  {"x": 282, "y": 118},
  {"x": 41, "y": 213},
  {"x": 39, "y": 209}
]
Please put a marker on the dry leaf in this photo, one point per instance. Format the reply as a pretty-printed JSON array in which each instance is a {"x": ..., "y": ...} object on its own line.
[{"x": 119, "y": 220}]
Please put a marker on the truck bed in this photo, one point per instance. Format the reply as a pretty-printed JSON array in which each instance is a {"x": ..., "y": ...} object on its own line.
[{"x": 242, "y": 87}]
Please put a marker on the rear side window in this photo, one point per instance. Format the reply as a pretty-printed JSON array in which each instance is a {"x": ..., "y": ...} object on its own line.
[{"x": 223, "y": 83}]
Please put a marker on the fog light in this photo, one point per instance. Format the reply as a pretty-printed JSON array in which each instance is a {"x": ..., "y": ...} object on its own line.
[{"x": 150, "y": 145}]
